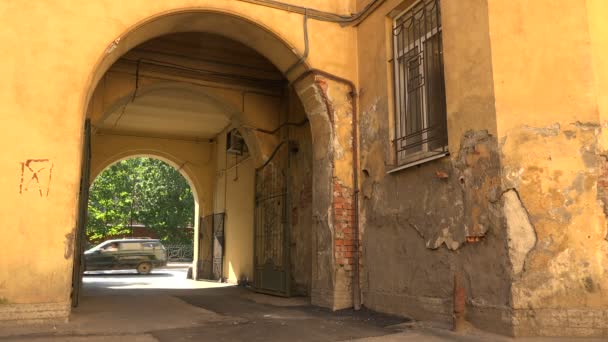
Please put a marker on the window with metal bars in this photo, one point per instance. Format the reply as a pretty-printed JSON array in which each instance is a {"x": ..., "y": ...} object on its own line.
[{"x": 420, "y": 107}]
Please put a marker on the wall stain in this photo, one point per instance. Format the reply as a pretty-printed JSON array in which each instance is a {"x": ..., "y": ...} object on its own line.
[
  {"x": 39, "y": 173},
  {"x": 68, "y": 244}
]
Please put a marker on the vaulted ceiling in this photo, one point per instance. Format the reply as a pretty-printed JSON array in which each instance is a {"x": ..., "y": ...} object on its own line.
[{"x": 168, "y": 80}]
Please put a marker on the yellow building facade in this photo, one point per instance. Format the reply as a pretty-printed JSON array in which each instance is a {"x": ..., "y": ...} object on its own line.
[{"x": 391, "y": 146}]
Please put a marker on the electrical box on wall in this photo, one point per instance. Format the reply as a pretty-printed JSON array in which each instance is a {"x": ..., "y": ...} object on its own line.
[{"x": 235, "y": 144}]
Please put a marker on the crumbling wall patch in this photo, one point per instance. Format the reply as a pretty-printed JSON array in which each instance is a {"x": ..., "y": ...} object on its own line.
[
  {"x": 69, "y": 244},
  {"x": 521, "y": 236}
]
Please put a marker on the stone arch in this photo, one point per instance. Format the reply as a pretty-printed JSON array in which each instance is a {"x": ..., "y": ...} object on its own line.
[
  {"x": 329, "y": 105},
  {"x": 236, "y": 27},
  {"x": 233, "y": 114},
  {"x": 180, "y": 165}
]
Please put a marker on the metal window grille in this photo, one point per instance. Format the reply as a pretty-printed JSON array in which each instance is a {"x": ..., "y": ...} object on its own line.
[{"x": 420, "y": 107}]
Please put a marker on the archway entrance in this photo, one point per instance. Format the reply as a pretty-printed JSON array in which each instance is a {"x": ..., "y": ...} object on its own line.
[
  {"x": 222, "y": 114},
  {"x": 143, "y": 197},
  {"x": 140, "y": 228},
  {"x": 180, "y": 85}
]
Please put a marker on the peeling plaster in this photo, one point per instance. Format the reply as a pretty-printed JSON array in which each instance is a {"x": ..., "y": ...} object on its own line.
[
  {"x": 69, "y": 244},
  {"x": 460, "y": 207},
  {"x": 520, "y": 232},
  {"x": 555, "y": 242},
  {"x": 444, "y": 237},
  {"x": 113, "y": 46},
  {"x": 478, "y": 163},
  {"x": 547, "y": 131},
  {"x": 586, "y": 125}
]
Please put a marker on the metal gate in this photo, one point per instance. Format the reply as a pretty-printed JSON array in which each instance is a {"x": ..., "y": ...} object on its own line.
[
  {"x": 218, "y": 246},
  {"x": 211, "y": 252},
  {"x": 272, "y": 222},
  {"x": 83, "y": 202}
]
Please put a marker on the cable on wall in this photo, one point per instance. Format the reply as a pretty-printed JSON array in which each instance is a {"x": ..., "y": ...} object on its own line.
[
  {"x": 305, "y": 54},
  {"x": 124, "y": 108},
  {"x": 344, "y": 20}
]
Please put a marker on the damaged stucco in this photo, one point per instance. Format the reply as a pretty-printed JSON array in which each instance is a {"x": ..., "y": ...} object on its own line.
[
  {"x": 471, "y": 185},
  {"x": 550, "y": 128},
  {"x": 520, "y": 232},
  {"x": 558, "y": 250},
  {"x": 329, "y": 106},
  {"x": 518, "y": 208},
  {"x": 424, "y": 223}
]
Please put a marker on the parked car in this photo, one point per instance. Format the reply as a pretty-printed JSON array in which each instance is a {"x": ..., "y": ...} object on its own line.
[{"x": 124, "y": 254}]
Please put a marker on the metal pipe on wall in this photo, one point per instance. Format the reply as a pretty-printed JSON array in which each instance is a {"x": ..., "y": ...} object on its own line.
[{"x": 344, "y": 20}]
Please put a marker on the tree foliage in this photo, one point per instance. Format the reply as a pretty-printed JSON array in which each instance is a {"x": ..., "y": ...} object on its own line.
[{"x": 142, "y": 191}]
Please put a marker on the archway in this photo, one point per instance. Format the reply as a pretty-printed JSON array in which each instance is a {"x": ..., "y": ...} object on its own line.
[
  {"x": 101, "y": 164},
  {"x": 327, "y": 103},
  {"x": 142, "y": 196}
]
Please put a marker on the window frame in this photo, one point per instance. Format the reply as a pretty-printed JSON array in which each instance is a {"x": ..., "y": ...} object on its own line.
[{"x": 401, "y": 115}]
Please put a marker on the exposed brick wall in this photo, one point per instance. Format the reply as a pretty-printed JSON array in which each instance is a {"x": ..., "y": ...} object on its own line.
[{"x": 344, "y": 215}]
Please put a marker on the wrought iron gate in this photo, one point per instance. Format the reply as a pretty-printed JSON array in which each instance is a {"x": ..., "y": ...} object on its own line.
[
  {"x": 218, "y": 246},
  {"x": 211, "y": 252},
  {"x": 83, "y": 202},
  {"x": 272, "y": 222},
  {"x": 184, "y": 253}
]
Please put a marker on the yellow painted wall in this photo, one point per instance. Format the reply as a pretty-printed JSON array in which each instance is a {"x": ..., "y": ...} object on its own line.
[
  {"x": 549, "y": 81},
  {"x": 531, "y": 74},
  {"x": 239, "y": 222},
  {"x": 598, "y": 34},
  {"x": 196, "y": 160},
  {"x": 51, "y": 53},
  {"x": 547, "y": 114},
  {"x": 234, "y": 196},
  {"x": 468, "y": 72}
]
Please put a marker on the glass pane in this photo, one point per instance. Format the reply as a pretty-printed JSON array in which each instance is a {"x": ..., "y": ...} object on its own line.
[
  {"x": 436, "y": 108},
  {"x": 420, "y": 120}
]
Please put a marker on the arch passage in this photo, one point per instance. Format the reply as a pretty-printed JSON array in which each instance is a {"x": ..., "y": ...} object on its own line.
[{"x": 328, "y": 106}]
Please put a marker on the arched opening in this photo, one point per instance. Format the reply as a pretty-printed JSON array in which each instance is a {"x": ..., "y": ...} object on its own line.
[
  {"x": 185, "y": 84},
  {"x": 141, "y": 215},
  {"x": 225, "y": 113}
]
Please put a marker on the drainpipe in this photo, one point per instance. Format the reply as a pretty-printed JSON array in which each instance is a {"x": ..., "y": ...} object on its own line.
[
  {"x": 355, "y": 144},
  {"x": 459, "y": 304}
]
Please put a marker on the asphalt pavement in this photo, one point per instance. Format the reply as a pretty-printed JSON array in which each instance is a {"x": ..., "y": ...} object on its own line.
[{"x": 165, "y": 306}]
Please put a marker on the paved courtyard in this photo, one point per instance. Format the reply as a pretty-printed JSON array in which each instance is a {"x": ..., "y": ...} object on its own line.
[{"x": 165, "y": 306}]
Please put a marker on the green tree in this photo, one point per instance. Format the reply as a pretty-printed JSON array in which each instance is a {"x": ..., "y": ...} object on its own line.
[{"x": 140, "y": 190}]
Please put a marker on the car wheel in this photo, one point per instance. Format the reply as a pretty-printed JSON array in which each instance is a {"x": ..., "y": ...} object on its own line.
[{"x": 144, "y": 268}]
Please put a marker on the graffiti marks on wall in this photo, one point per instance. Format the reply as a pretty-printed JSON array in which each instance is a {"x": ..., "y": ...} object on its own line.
[{"x": 36, "y": 176}]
